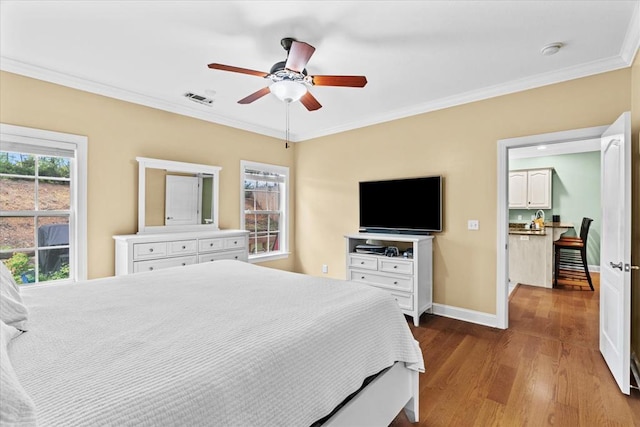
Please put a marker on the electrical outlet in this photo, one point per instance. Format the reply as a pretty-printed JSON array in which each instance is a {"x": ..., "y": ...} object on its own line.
[
  {"x": 473, "y": 224},
  {"x": 519, "y": 217},
  {"x": 325, "y": 268}
]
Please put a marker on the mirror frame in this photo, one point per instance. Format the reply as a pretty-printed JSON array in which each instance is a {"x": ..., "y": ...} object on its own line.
[{"x": 145, "y": 163}]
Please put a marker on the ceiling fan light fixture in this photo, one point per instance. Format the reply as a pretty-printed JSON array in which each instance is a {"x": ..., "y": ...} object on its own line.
[
  {"x": 551, "y": 49},
  {"x": 288, "y": 90}
]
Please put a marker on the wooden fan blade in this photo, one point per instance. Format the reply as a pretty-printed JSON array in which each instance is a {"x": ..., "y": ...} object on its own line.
[
  {"x": 255, "y": 95},
  {"x": 299, "y": 55},
  {"x": 237, "y": 70},
  {"x": 350, "y": 81},
  {"x": 310, "y": 102}
]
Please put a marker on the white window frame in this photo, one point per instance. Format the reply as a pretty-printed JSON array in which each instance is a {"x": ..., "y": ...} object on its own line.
[
  {"x": 283, "y": 251},
  {"x": 12, "y": 136}
]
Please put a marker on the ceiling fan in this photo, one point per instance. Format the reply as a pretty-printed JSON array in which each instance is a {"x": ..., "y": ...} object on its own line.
[{"x": 290, "y": 78}]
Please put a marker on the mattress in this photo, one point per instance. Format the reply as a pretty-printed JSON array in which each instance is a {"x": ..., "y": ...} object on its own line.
[{"x": 223, "y": 343}]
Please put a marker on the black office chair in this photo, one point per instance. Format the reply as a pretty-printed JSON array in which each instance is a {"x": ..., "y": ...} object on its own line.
[{"x": 571, "y": 257}]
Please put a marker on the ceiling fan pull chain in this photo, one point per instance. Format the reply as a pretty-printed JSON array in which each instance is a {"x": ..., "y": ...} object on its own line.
[{"x": 286, "y": 133}]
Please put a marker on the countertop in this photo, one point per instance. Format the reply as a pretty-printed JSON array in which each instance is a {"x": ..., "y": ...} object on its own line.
[
  {"x": 542, "y": 232},
  {"x": 519, "y": 228}
]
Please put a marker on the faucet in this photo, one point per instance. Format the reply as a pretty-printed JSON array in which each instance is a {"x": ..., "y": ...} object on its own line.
[{"x": 540, "y": 218}]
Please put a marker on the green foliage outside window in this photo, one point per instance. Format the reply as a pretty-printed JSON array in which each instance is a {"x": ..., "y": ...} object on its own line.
[
  {"x": 21, "y": 269},
  {"x": 18, "y": 265},
  {"x": 24, "y": 164}
]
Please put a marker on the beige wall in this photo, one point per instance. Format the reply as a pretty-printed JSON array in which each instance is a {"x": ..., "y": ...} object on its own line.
[
  {"x": 118, "y": 132},
  {"x": 459, "y": 143},
  {"x": 635, "y": 212}
]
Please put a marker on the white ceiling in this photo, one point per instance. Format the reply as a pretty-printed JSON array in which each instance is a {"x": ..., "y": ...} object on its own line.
[{"x": 418, "y": 56}]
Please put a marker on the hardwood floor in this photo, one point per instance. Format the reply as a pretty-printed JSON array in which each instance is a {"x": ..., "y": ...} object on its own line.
[{"x": 545, "y": 369}]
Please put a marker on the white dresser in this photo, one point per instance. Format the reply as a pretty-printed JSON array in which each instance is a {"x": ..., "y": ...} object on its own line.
[
  {"x": 146, "y": 252},
  {"x": 409, "y": 279}
]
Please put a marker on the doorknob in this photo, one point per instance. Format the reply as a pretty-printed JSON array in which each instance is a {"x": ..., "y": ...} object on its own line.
[
  {"x": 618, "y": 265},
  {"x": 628, "y": 267}
]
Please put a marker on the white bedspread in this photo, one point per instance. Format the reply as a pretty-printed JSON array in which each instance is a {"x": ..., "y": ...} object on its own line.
[{"x": 218, "y": 344}]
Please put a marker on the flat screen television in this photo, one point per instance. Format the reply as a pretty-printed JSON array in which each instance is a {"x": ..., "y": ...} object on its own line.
[{"x": 404, "y": 206}]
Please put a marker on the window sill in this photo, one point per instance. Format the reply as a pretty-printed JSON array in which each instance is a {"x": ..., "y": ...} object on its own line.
[{"x": 268, "y": 257}]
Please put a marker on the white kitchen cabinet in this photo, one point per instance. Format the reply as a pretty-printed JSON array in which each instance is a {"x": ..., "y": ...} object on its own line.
[
  {"x": 531, "y": 254},
  {"x": 518, "y": 196},
  {"x": 530, "y": 189}
]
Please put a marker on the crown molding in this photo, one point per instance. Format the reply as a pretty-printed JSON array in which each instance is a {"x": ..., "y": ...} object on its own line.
[
  {"x": 520, "y": 85},
  {"x": 631, "y": 42},
  {"x": 51, "y": 76},
  {"x": 624, "y": 59}
]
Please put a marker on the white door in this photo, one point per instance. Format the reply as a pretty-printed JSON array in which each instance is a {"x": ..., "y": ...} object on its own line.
[
  {"x": 615, "y": 250},
  {"x": 181, "y": 200}
]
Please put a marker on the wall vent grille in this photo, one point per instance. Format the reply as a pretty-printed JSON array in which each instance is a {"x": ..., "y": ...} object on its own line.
[{"x": 198, "y": 98}]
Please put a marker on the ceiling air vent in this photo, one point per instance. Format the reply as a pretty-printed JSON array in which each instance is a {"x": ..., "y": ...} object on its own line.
[{"x": 199, "y": 98}]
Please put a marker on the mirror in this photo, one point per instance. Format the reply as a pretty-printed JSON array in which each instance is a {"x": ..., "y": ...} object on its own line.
[{"x": 176, "y": 196}]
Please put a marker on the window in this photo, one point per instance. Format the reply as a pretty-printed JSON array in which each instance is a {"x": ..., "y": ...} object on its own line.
[
  {"x": 42, "y": 204},
  {"x": 264, "y": 209}
]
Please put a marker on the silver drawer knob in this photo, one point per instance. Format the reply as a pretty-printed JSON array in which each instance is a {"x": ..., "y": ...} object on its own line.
[
  {"x": 150, "y": 268},
  {"x": 150, "y": 249},
  {"x": 210, "y": 244},
  {"x": 184, "y": 247},
  {"x": 184, "y": 263}
]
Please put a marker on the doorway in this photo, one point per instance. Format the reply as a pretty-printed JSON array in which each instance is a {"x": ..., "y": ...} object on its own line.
[
  {"x": 615, "y": 290},
  {"x": 568, "y": 191},
  {"x": 551, "y": 140}
]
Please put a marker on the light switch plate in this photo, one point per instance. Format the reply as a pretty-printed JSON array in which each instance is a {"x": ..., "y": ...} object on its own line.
[{"x": 473, "y": 224}]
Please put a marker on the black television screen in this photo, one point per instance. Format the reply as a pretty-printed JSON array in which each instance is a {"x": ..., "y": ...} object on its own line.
[{"x": 408, "y": 205}]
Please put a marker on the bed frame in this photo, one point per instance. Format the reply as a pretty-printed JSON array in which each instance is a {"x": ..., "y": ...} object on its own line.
[{"x": 381, "y": 400}]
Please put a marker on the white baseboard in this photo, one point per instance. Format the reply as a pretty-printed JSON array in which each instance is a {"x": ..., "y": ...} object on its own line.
[
  {"x": 594, "y": 268},
  {"x": 466, "y": 315}
]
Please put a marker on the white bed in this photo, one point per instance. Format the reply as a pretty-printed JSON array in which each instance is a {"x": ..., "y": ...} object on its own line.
[{"x": 224, "y": 343}]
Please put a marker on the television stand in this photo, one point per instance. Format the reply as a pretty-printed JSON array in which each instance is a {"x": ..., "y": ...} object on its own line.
[{"x": 408, "y": 279}]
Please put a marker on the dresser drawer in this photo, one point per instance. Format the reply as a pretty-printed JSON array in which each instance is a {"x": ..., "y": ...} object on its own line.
[
  {"x": 183, "y": 247},
  {"x": 405, "y": 301},
  {"x": 392, "y": 265},
  {"x": 208, "y": 245},
  {"x": 235, "y": 242},
  {"x": 157, "y": 264},
  {"x": 368, "y": 263},
  {"x": 391, "y": 282},
  {"x": 239, "y": 255},
  {"x": 149, "y": 250}
]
